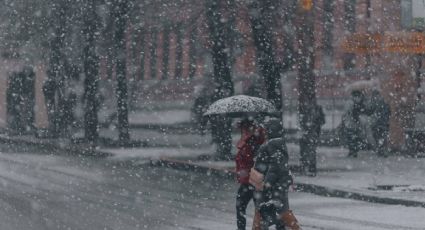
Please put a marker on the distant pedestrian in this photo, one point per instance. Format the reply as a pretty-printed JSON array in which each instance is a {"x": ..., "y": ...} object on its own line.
[
  {"x": 350, "y": 129},
  {"x": 251, "y": 138},
  {"x": 200, "y": 105},
  {"x": 272, "y": 179},
  {"x": 68, "y": 115},
  {"x": 319, "y": 120},
  {"x": 14, "y": 99},
  {"x": 28, "y": 94},
  {"x": 380, "y": 122},
  {"x": 49, "y": 91}
]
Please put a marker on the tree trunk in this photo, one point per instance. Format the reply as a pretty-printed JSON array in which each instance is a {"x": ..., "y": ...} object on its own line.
[
  {"x": 261, "y": 21},
  {"x": 55, "y": 87},
  {"x": 221, "y": 126},
  {"x": 328, "y": 25},
  {"x": 232, "y": 32},
  {"x": 91, "y": 65},
  {"x": 306, "y": 87},
  {"x": 290, "y": 9},
  {"x": 121, "y": 17},
  {"x": 350, "y": 26}
]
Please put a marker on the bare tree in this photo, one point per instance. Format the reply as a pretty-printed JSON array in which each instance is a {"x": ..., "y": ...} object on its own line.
[
  {"x": 328, "y": 25},
  {"x": 91, "y": 65},
  {"x": 221, "y": 126},
  {"x": 54, "y": 89},
  {"x": 307, "y": 105},
  {"x": 350, "y": 27},
  {"x": 120, "y": 14},
  {"x": 261, "y": 18}
]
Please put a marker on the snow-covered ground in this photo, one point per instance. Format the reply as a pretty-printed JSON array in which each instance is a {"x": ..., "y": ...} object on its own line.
[
  {"x": 365, "y": 174},
  {"x": 314, "y": 212},
  {"x": 163, "y": 138},
  {"x": 176, "y": 116},
  {"x": 159, "y": 117},
  {"x": 52, "y": 192},
  {"x": 155, "y": 153}
]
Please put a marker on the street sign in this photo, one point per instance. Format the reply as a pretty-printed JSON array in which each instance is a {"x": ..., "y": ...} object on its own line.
[
  {"x": 362, "y": 43},
  {"x": 404, "y": 42},
  {"x": 399, "y": 42}
]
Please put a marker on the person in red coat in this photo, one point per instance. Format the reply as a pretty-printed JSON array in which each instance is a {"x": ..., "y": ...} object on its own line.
[{"x": 251, "y": 139}]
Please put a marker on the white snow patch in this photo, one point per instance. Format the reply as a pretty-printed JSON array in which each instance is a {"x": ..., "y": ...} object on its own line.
[
  {"x": 159, "y": 117},
  {"x": 156, "y": 153}
]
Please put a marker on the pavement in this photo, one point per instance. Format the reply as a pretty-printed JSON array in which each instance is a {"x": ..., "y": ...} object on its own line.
[
  {"x": 52, "y": 192},
  {"x": 392, "y": 180}
]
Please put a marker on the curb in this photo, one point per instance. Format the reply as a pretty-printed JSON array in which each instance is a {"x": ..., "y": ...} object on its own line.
[
  {"x": 301, "y": 187},
  {"x": 330, "y": 192}
]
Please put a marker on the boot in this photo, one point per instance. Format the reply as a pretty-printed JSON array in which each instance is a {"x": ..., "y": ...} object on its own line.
[
  {"x": 289, "y": 220},
  {"x": 256, "y": 225}
]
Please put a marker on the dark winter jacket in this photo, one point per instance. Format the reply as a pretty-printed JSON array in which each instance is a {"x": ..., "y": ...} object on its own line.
[
  {"x": 272, "y": 162},
  {"x": 380, "y": 112},
  {"x": 247, "y": 145}
]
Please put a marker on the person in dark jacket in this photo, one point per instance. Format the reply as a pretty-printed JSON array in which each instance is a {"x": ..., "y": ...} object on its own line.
[
  {"x": 351, "y": 124},
  {"x": 271, "y": 195},
  {"x": 380, "y": 122},
  {"x": 251, "y": 138}
]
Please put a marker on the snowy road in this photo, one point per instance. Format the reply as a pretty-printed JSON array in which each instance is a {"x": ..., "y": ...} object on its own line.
[{"x": 44, "y": 192}]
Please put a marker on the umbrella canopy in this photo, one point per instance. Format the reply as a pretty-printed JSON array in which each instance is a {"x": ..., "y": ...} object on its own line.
[{"x": 241, "y": 105}]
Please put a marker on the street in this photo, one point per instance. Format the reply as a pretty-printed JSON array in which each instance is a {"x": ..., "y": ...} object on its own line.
[{"x": 41, "y": 192}]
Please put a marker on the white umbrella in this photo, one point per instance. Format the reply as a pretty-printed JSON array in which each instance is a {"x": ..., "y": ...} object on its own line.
[{"x": 241, "y": 105}]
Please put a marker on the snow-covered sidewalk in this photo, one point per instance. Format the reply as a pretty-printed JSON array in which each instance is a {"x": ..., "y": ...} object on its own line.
[
  {"x": 393, "y": 180},
  {"x": 396, "y": 179}
]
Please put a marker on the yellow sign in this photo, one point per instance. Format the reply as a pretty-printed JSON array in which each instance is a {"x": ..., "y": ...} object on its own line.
[
  {"x": 306, "y": 4},
  {"x": 400, "y": 42},
  {"x": 362, "y": 43},
  {"x": 405, "y": 43}
]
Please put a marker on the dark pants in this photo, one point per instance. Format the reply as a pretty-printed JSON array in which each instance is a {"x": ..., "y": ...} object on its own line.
[
  {"x": 245, "y": 194},
  {"x": 380, "y": 134},
  {"x": 271, "y": 205},
  {"x": 354, "y": 141}
]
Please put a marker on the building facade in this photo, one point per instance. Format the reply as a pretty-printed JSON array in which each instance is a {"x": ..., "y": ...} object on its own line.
[{"x": 168, "y": 54}]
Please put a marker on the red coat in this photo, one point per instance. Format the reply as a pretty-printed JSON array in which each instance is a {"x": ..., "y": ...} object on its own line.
[{"x": 249, "y": 142}]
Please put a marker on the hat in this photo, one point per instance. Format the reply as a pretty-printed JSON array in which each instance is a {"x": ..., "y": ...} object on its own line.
[
  {"x": 274, "y": 128},
  {"x": 246, "y": 121}
]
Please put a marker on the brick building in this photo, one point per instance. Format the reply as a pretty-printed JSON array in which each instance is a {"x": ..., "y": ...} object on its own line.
[{"x": 169, "y": 52}]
